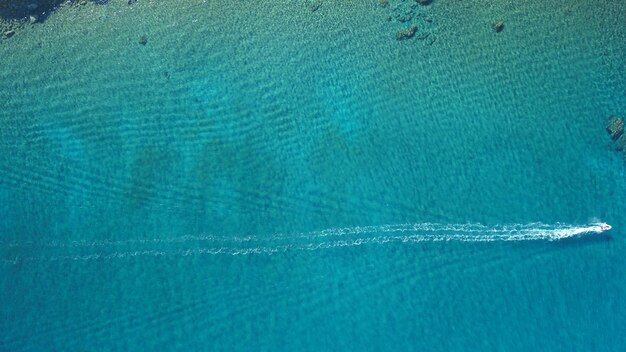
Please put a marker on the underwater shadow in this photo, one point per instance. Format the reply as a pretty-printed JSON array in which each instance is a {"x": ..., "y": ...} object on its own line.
[
  {"x": 575, "y": 241},
  {"x": 39, "y": 9},
  {"x": 585, "y": 240}
]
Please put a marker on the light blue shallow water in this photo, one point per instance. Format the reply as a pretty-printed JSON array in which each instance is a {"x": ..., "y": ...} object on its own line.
[{"x": 130, "y": 175}]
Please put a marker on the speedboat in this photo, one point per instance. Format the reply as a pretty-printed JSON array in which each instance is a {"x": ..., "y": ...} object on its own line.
[
  {"x": 604, "y": 226},
  {"x": 601, "y": 227}
]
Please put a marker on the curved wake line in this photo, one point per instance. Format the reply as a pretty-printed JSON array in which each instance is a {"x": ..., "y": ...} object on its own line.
[{"x": 317, "y": 240}]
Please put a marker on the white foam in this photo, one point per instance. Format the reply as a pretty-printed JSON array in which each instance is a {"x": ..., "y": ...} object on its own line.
[
  {"x": 527, "y": 231},
  {"x": 311, "y": 241}
]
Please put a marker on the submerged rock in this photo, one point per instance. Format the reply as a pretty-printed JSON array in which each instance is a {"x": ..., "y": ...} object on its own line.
[
  {"x": 615, "y": 127},
  {"x": 423, "y": 2},
  {"x": 143, "y": 40},
  {"x": 313, "y": 5},
  {"x": 406, "y": 33},
  {"x": 9, "y": 33},
  {"x": 498, "y": 26}
]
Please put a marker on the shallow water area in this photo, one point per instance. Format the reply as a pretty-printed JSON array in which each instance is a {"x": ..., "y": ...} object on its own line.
[{"x": 266, "y": 175}]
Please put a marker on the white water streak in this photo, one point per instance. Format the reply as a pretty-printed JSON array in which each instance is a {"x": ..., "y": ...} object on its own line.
[{"x": 311, "y": 241}]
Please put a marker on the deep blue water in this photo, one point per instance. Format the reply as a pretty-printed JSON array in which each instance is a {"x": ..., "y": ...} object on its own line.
[{"x": 186, "y": 194}]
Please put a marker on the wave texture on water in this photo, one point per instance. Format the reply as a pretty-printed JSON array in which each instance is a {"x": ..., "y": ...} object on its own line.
[{"x": 324, "y": 239}]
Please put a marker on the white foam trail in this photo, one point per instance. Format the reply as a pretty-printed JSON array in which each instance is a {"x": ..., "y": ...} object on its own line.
[
  {"x": 348, "y": 237},
  {"x": 529, "y": 231}
]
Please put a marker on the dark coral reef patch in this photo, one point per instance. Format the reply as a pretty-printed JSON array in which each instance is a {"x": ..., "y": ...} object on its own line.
[{"x": 40, "y": 9}]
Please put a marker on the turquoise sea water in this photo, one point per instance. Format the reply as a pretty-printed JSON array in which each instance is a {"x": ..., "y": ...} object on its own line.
[{"x": 130, "y": 175}]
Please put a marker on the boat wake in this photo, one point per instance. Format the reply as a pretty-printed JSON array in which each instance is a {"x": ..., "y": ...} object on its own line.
[{"x": 85, "y": 250}]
